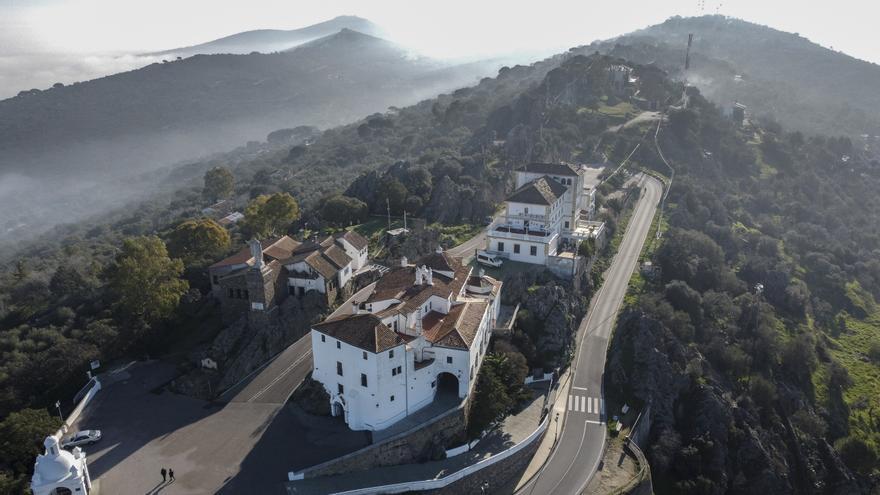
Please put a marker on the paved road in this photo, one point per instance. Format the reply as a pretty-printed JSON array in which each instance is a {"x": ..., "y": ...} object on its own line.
[
  {"x": 581, "y": 441},
  {"x": 466, "y": 249},
  {"x": 275, "y": 382}
]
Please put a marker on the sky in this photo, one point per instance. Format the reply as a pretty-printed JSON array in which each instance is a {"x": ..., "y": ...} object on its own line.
[{"x": 46, "y": 41}]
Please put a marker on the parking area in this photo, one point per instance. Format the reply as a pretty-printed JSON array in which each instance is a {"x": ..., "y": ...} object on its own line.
[{"x": 235, "y": 447}]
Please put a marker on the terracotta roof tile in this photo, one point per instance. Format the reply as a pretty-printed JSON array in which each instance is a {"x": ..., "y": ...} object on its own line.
[
  {"x": 552, "y": 169},
  {"x": 353, "y": 238},
  {"x": 277, "y": 248},
  {"x": 541, "y": 191},
  {"x": 364, "y": 331}
]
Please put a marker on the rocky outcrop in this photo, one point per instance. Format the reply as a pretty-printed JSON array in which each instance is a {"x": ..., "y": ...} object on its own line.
[{"x": 702, "y": 430}]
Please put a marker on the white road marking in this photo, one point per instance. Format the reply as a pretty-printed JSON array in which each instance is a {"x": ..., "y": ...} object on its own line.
[
  {"x": 592, "y": 422},
  {"x": 589, "y": 405},
  {"x": 597, "y": 405},
  {"x": 579, "y": 388},
  {"x": 280, "y": 376},
  {"x": 570, "y": 397}
]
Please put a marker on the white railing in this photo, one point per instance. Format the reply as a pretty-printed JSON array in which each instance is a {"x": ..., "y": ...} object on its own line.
[
  {"x": 456, "y": 476},
  {"x": 521, "y": 237}
]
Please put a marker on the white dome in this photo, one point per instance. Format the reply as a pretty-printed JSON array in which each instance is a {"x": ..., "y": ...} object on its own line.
[{"x": 56, "y": 464}]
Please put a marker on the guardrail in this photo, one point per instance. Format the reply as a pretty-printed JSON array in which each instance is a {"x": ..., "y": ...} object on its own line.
[{"x": 456, "y": 476}]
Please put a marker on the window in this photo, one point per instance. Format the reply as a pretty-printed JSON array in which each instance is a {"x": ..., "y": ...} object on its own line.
[
  {"x": 434, "y": 384},
  {"x": 364, "y": 354},
  {"x": 216, "y": 279},
  {"x": 399, "y": 370},
  {"x": 391, "y": 353},
  {"x": 516, "y": 248},
  {"x": 525, "y": 211},
  {"x": 392, "y": 398},
  {"x": 231, "y": 293},
  {"x": 340, "y": 389},
  {"x": 338, "y": 345},
  {"x": 533, "y": 250},
  {"x": 323, "y": 338},
  {"x": 448, "y": 359},
  {"x": 566, "y": 224},
  {"x": 501, "y": 246},
  {"x": 393, "y": 371},
  {"x": 338, "y": 368},
  {"x": 363, "y": 380}
]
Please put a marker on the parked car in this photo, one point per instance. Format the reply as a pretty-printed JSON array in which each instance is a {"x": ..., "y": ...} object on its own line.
[
  {"x": 85, "y": 437},
  {"x": 488, "y": 259}
]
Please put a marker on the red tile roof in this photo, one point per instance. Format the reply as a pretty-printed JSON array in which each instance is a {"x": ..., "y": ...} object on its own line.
[
  {"x": 277, "y": 248},
  {"x": 364, "y": 331}
]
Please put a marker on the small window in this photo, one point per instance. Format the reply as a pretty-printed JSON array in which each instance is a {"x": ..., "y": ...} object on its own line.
[
  {"x": 323, "y": 338},
  {"x": 392, "y": 398},
  {"x": 231, "y": 293},
  {"x": 338, "y": 345},
  {"x": 391, "y": 354},
  {"x": 393, "y": 371},
  {"x": 340, "y": 389},
  {"x": 399, "y": 370},
  {"x": 216, "y": 279},
  {"x": 525, "y": 211},
  {"x": 566, "y": 224},
  {"x": 516, "y": 248},
  {"x": 338, "y": 368},
  {"x": 364, "y": 354},
  {"x": 448, "y": 359},
  {"x": 363, "y": 380},
  {"x": 501, "y": 246},
  {"x": 434, "y": 384},
  {"x": 533, "y": 250}
]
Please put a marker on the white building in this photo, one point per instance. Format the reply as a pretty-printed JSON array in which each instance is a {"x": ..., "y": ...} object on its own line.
[
  {"x": 59, "y": 472},
  {"x": 553, "y": 206},
  {"x": 423, "y": 331}
]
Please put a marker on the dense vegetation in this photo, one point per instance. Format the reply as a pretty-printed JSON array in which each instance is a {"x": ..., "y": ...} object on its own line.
[{"x": 764, "y": 312}]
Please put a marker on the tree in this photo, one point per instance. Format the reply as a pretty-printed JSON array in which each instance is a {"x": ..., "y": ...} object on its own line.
[
  {"x": 344, "y": 210},
  {"x": 857, "y": 454},
  {"x": 268, "y": 214},
  {"x": 198, "y": 239},
  {"x": 66, "y": 281},
  {"x": 144, "y": 280},
  {"x": 219, "y": 183},
  {"x": 21, "y": 437},
  {"x": 587, "y": 248},
  {"x": 391, "y": 193}
]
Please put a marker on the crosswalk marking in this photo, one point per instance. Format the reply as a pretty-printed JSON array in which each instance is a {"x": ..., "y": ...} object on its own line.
[{"x": 584, "y": 404}]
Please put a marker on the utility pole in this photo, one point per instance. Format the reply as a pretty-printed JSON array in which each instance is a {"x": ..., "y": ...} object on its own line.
[
  {"x": 388, "y": 209},
  {"x": 58, "y": 406}
]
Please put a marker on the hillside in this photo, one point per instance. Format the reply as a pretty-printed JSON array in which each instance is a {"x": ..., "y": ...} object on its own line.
[
  {"x": 274, "y": 40},
  {"x": 68, "y": 139},
  {"x": 783, "y": 75}
]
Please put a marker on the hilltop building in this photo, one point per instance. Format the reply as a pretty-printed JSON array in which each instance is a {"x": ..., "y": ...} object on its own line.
[
  {"x": 258, "y": 278},
  {"x": 421, "y": 333},
  {"x": 59, "y": 472},
  {"x": 551, "y": 210}
]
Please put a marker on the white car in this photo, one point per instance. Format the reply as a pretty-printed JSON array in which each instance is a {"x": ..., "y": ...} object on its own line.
[
  {"x": 488, "y": 259},
  {"x": 85, "y": 437}
]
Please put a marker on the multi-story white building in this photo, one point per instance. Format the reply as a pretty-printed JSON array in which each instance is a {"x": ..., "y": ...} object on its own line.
[
  {"x": 423, "y": 331},
  {"x": 553, "y": 205}
]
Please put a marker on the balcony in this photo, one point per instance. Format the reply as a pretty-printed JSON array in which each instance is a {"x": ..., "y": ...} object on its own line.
[
  {"x": 526, "y": 216},
  {"x": 519, "y": 233}
]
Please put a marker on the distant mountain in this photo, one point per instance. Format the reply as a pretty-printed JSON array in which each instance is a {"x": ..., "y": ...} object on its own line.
[
  {"x": 774, "y": 73},
  {"x": 275, "y": 40},
  {"x": 66, "y": 139}
]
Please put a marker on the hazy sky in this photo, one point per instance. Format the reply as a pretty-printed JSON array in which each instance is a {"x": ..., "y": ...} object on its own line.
[{"x": 71, "y": 39}]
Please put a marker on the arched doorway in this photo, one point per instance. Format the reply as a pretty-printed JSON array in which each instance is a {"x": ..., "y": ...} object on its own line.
[
  {"x": 447, "y": 385},
  {"x": 337, "y": 410}
]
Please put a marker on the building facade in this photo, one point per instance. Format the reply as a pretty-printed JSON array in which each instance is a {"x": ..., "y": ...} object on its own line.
[
  {"x": 552, "y": 209},
  {"x": 421, "y": 334},
  {"x": 60, "y": 472},
  {"x": 258, "y": 278}
]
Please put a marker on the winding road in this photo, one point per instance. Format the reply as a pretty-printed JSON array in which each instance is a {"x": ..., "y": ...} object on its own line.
[{"x": 579, "y": 449}]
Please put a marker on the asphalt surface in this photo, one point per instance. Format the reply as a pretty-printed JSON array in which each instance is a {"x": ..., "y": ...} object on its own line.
[
  {"x": 467, "y": 248},
  {"x": 275, "y": 382},
  {"x": 581, "y": 442}
]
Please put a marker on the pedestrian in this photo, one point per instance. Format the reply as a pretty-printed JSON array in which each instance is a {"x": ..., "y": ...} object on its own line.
[
  {"x": 170, "y": 474},
  {"x": 164, "y": 474}
]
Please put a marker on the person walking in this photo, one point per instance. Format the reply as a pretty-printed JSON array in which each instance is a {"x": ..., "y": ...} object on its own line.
[
  {"x": 170, "y": 474},
  {"x": 164, "y": 475}
]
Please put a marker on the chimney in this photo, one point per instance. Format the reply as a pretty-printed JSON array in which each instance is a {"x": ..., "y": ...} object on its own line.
[
  {"x": 404, "y": 261},
  {"x": 355, "y": 307},
  {"x": 256, "y": 253},
  {"x": 439, "y": 249},
  {"x": 419, "y": 276},
  {"x": 430, "y": 274}
]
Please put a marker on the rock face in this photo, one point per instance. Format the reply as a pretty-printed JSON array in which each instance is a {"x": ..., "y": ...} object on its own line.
[
  {"x": 703, "y": 437},
  {"x": 552, "y": 313}
]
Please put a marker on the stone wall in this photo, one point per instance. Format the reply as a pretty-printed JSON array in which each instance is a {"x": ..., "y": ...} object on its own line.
[
  {"x": 497, "y": 475},
  {"x": 411, "y": 446}
]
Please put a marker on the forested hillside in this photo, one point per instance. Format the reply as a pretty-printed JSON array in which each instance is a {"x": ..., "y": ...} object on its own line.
[
  {"x": 756, "y": 344},
  {"x": 783, "y": 75},
  {"x": 773, "y": 391}
]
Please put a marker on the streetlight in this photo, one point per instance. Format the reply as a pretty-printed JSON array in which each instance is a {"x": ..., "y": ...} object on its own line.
[
  {"x": 58, "y": 405},
  {"x": 484, "y": 487}
]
